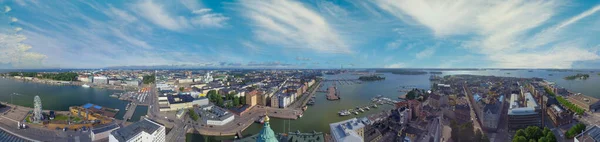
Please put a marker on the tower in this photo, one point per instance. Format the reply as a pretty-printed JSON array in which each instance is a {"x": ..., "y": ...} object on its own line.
[
  {"x": 266, "y": 134},
  {"x": 37, "y": 109}
]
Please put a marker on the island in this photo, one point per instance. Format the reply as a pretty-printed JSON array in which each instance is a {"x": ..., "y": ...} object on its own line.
[
  {"x": 371, "y": 78},
  {"x": 402, "y": 71},
  {"x": 578, "y": 76}
]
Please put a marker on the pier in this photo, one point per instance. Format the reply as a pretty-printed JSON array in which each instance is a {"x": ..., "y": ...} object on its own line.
[
  {"x": 130, "y": 111},
  {"x": 332, "y": 93}
]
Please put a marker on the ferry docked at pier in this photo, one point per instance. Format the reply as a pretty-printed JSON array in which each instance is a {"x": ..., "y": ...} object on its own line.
[{"x": 85, "y": 86}]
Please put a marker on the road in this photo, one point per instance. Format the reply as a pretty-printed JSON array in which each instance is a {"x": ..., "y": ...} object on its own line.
[{"x": 476, "y": 123}]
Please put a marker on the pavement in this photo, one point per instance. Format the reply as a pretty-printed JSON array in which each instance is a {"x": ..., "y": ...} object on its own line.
[{"x": 10, "y": 118}]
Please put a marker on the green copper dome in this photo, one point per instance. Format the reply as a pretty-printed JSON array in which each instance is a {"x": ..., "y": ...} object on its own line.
[{"x": 266, "y": 134}]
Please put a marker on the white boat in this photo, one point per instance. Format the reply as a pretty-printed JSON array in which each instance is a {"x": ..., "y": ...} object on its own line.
[
  {"x": 85, "y": 86},
  {"x": 375, "y": 105},
  {"x": 361, "y": 110},
  {"x": 367, "y": 108},
  {"x": 344, "y": 113},
  {"x": 356, "y": 113}
]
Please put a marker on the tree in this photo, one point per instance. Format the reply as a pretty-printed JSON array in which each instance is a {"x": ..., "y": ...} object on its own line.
[
  {"x": 193, "y": 114},
  {"x": 181, "y": 89},
  {"x": 243, "y": 100},
  {"x": 520, "y": 139},
  {"x": 520, "y": 132},
  {"x": 578, "y": 128},
  {"x": 533, "y": 132},
  {"x": 147, "y": 79},
  {"x": 543, "y": 139},
  {"x": 236, "y": 101}
]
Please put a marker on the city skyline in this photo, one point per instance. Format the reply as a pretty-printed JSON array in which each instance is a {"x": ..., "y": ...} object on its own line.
[{"x": 300, "y": 34}]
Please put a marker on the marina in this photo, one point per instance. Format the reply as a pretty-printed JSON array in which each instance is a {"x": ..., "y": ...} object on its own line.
[{"x": 361, "y": 109}]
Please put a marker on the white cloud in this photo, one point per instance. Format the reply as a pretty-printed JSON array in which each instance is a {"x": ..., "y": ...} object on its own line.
[
  {"x": 425, "y": 53},
  {"x": 7, "y": 9},
  {"x": 396, "y": 65},
  {"x": 202, "y": 11},
  {"x": 210, "y": 20},
  {"x": 14, "y": 52},
  {"x": 155, "y": 13},
  {"x": 332, "y": 9},
  {"x": 158, "y": 14},
  {"x": 393, "y": 45},
  {"x": 579, "y": 17},
  {"x": 502, "y": 29},
  {"x": 291, "y": 24}
]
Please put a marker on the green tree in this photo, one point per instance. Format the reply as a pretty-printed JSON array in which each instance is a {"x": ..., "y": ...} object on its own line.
[
  {"x": 193, "y": 114},
  {"x": 550, "y": 137},
  {"x": 520, "y": 132},
  {"x": 520, "y": 139},
  {"x": 147, "y": 79},
  {"x": 578, "y": 128},
  {"x": 533, "y": 132},
  {"x": 181, "y": 89},
  {"x": 236, "y": 101},
  {"x": 243, "y": 100}
]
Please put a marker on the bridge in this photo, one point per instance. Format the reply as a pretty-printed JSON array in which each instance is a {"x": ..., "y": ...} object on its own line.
[{"x": 129, "y": 112}]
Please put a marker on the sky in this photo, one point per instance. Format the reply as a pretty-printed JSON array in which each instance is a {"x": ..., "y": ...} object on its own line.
[{"x": 300, "y": 34}]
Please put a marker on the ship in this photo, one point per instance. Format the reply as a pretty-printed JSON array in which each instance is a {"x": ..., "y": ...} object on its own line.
[{"x": 85, "y": 86}]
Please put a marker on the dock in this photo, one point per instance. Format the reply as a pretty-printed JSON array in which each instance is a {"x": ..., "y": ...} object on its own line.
[
  {"x": 130, "y": 111},
  {"x": 332, "y": 93}
]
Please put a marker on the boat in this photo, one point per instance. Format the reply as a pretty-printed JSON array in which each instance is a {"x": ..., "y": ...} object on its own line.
[
  {"x": 261, "y": 120},
  {"x": 300, "y": 116},
  {"x": 114, "y": 96},
  {"x": 356, "y": 113},
  {"x": 367, "y": 108},
  {"x": 85, "y": 86},
  {"x": 304, "y": 108},
  {"x": 344, "y": 113},
  {"x": 127, "y": 107},
  {"x": 361, "y": 110},
  {"x": 375, "y": 105}
]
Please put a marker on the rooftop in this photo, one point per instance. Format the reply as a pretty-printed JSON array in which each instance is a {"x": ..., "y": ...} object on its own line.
[
  {"x": 519, "y": 108},
  {"x": 346, "y": 130},
  {"x": 128, "y": 132},
  {"x": 590, "y": 135}
]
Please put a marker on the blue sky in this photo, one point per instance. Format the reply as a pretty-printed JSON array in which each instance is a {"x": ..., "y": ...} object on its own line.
[{"x": 301, "y": 34}]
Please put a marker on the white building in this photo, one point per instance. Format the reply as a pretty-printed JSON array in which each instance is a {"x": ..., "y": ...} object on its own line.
[
  {"x": 351, "y": 130},
  {"x": 100, "y": 80},
  {"x": 84, "y": 78},
  {"x": 142, "y": 131},
  {"x": 214, "y": 115},
  {"x": 103, "y": 132},
  {"x": 177, "y": 102},
  {"x": 185, "y": 80}
]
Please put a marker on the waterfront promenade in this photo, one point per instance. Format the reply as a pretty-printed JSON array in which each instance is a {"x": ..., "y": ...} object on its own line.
[
  {"x": 240, "y": 123},
  {"x": 12, "y": 114}
]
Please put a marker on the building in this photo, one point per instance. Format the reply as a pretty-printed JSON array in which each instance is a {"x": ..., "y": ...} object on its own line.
[
  {"x": 143, "y": 131},
  {"x": 491, "y": 116},
  {"x": 589, "y": 135},
  {"x": 462, "y": 113},
  {"x": 83, "y": 78},
  {"x": 100, "y": 133},
  {"x": 523, "y": 111},
  {"x": 585, "y": 102},
  {"x": 214, "y": 115},
  {"x": 91, "y": 112},
  {"x": 132, "y": 83},
  {"x": 177, "y": 102},
  {"x": 185, "y": 80},
  {"x": 252, "y": 98},
  {"x": 351, "y": 130},
  {"x": 558, "y": 115},
  {"x": 100, "y": 80},
  {"x": 266, "y": 134}
]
